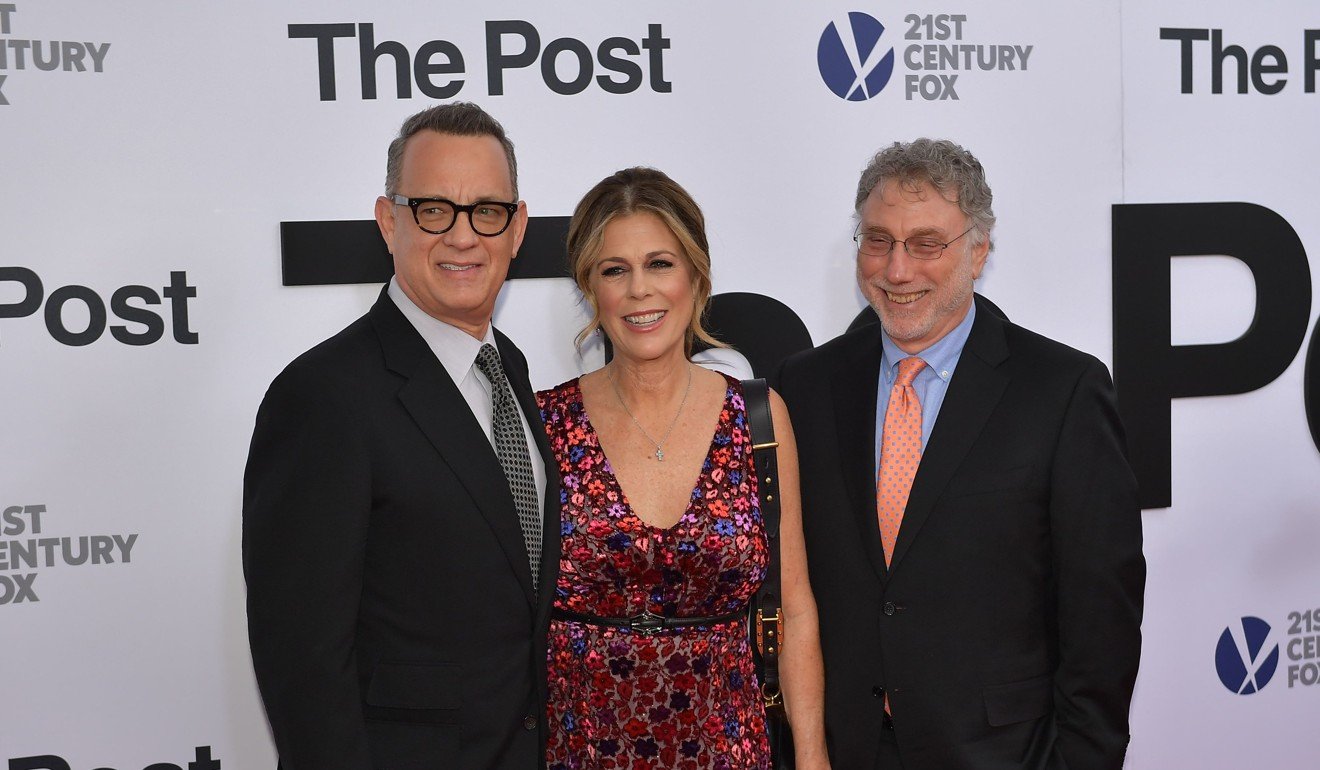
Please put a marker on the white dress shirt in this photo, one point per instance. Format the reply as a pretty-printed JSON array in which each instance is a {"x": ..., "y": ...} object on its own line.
[{"x": 457, "y": 353}]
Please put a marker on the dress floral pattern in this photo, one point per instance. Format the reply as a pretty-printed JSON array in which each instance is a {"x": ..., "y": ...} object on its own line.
[{"x": 684, "y": 698}]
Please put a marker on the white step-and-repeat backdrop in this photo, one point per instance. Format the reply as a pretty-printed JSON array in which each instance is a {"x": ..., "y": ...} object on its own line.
[{"x": 1154, "y": 170}]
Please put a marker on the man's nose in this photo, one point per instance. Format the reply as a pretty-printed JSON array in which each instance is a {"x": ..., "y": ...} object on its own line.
[
  {"x": 902, "y": 266},
  {"x": 461, "y": 235}
]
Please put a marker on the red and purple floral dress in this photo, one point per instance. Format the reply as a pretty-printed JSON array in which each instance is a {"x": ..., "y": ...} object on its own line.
[{"x": 684, "y": 698}]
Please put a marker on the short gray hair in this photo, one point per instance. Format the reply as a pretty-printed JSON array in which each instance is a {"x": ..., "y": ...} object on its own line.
[
  {"x": 456, "y": 119},
  {"x": 954, "y": 172}
]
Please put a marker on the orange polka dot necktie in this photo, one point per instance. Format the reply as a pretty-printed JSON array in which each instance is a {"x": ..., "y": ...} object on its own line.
[{"x": 900, "y": 453}]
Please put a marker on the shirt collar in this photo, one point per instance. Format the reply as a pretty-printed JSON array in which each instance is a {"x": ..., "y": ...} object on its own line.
[
  {"x": 456, "y": 349},
  {"x": 941, "y": 357}
]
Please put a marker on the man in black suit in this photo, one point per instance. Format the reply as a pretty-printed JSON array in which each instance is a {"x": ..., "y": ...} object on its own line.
[
  {"x": 980, "y": 604},
  {"x": 400, "y": 511}
]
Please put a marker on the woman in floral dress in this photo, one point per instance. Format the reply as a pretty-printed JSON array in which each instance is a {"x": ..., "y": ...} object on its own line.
[{"x": 662, "y": 538}]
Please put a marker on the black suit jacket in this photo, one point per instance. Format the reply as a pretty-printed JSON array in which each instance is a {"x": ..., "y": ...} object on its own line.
[
  {"x": 391, "y": 611},
  {"x": 1006, "y": 632}
]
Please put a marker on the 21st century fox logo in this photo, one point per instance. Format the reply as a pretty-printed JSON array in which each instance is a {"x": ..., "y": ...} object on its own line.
[
  {"x": 22, "y": 54},
  {"x": 1247, "y": 655},
  {"x": 856, "y": 57}
]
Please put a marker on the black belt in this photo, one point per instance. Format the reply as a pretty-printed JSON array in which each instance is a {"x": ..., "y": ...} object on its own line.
[{"x": 648, "y": 622}]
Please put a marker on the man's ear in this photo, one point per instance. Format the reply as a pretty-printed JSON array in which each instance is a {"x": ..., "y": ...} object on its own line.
[
  {"x": 385, "y": 220},
  {"x": 519, "y": 227},
  {"x": 979, "y": 256}
]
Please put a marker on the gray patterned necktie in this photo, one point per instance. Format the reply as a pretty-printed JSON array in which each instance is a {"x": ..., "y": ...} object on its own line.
[{"x": 511, "y": 447}]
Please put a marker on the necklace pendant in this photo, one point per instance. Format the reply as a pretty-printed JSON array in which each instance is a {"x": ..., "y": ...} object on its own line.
[{"x": 660, "y": 454}]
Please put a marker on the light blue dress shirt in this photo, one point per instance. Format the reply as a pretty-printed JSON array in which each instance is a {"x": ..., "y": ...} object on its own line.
[{"x": 932, "y": 382}]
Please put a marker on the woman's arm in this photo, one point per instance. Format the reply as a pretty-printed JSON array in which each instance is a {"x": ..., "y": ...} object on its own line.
[{"x": 801, "y": 670}]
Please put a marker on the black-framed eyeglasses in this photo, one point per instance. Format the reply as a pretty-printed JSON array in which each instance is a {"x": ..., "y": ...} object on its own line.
[
  {"x": 438, "y": 215},
  {"x": 918, "y": 247}
]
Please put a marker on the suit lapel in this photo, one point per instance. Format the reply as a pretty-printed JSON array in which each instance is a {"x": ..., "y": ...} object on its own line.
[
  {"x": 435, "y": 404},
  {"x": 856, "y": 379},
  {"x": 976, "y": 388}
]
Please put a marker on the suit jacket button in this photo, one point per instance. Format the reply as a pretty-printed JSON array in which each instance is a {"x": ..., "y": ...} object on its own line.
[
  {"x": 529, "y": 723},
  {"x": 878, "y": 692},
  {"x": 889, "y": 608}
]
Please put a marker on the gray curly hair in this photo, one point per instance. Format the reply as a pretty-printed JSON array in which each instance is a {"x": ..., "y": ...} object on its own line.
[{"x": 953, "y": 171}]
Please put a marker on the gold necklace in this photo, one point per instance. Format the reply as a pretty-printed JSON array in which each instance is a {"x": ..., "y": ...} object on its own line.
[{"x": 659, "y": 445}]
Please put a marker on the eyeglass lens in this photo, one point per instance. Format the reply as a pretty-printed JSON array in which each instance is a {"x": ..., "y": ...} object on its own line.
[
  {"x": 877, "y": 245},
  {"x": 486, "y": 218}
]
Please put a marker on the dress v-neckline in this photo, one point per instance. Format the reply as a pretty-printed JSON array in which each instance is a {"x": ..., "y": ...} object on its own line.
[{"x": 706, "y": 462}]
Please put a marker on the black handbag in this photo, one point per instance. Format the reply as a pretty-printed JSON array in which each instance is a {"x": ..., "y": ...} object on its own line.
[{"x": 766, "y": 621}]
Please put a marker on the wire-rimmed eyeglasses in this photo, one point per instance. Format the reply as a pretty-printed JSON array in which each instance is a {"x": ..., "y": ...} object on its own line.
[{"x": 918, "y": 247}]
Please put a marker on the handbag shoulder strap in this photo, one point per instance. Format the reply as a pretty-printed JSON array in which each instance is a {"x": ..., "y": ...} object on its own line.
[
  {"x": 756, "y": 397},
  {"x": 767, "y": 620}
]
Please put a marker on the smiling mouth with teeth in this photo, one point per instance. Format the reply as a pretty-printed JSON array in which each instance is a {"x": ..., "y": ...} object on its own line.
[
  {"x": 455, "y": 268},
  {"x": 904, "y": 299},
  {"x": 642, "y": 320}
]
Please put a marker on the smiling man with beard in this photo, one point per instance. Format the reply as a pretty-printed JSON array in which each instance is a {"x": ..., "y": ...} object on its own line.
[{"x": 972, "y": 527}]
